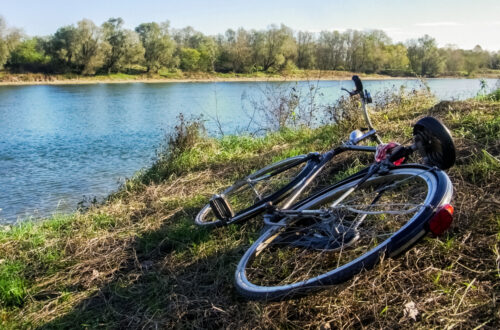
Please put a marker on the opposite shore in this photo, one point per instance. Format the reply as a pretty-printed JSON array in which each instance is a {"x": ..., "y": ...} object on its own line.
[{"x": 10, "y": 79}]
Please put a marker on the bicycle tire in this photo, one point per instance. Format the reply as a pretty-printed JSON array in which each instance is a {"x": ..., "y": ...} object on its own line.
[
  {"x": 271, "y": 269},
  {"x": 299, "y": 166}
]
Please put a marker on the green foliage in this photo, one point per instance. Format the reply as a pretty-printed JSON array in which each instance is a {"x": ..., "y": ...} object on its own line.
[
  {"x": 78, "y": 49},
  {"x": 424, "y": 56},
  {"x": 28, "y": 55},
  {"x": 12, "y": 283},
  {"x": 9, "y": 38},
  {"x": 482, "y": 168},
  {"x": 190, "y": 59},
  {"x": 158, "y": 46},
  {"x": 305, "y": 50},
  {"x": 123, "y": 46},
  {"x": 493, "y": 96},
  {"x": 88, "y": 49}
]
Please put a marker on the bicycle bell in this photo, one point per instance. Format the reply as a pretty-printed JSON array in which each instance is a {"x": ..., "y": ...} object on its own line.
[{"x": 355, "y": 135}]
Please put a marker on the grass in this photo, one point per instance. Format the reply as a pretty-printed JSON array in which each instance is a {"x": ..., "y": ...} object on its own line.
[{"x": 138, "y": 261}]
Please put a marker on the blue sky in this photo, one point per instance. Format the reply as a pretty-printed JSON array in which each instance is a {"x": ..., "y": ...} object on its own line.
[{"x": 460, "y": 22}]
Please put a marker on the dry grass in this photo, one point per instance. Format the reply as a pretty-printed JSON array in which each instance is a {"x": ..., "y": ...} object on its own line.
[{"x": 139, "y": 262}]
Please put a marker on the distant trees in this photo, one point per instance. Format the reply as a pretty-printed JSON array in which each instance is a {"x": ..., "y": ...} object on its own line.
[
  {"x": 90, "y": 51},
  {"x": 274, "y": 47},
  {"x": 331, "y": 51},
  {"x": 305, "y": 50},
  {"x": 9, "y": 39},
  {"x": 28, "y": 55},
  {"x": 158, "y": 46},
  {"x": 396, "y": 59},
  {"x": 425, "y": 58},
  {"x": 196, "y": 51},
  {"x": 235, "y": 51},
  {"x": 123, "y": 46},
  {"x": 86, "y": 48},
  {"x": 77, "y": 49}
]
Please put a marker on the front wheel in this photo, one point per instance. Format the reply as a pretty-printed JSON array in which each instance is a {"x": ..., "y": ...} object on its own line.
[
  {"x": 324, "y": 244},
  {"x": 246, "y": 197}
]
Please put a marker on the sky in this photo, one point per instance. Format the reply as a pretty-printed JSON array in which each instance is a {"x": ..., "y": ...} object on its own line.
[{"x": 463, "y": 23}]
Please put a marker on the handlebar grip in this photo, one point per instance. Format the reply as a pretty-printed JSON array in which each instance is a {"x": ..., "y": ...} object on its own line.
[
  {"x": 358, "y": 83},
  {"x": 399, "y": 152}
]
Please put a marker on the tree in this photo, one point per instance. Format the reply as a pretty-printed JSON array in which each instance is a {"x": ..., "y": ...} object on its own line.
[
  {"x": 235, "y": 52},
  {"x": 354, "y": 58},
  {"x": 208, "y": 54},
  {"x": 396, "y": 58},
  {"x": 158, "y": 45},
  {"x": 373, "y": 50},
  {"x": 205, "y": 46},
  {"x": 28, "y": 56},
  {"x": 190, "y": 59},
  {"x": 330, "y": 52},
  {"x": 305, "y": 50},
  {"x": 124, "y": 46},
  {"x": 89, "y": 49},
  {"x": 454, "y": 58},
  {"x": 62, "y": 49},
  {"x": 424, "y": 56},
  {"x": 78, "y": 49},
  {"x": 9, "y": 39},
  {"x": 273, "y": 47}
]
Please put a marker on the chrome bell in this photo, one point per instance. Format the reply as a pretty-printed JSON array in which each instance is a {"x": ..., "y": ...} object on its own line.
[{"x": 356, "y": 134}]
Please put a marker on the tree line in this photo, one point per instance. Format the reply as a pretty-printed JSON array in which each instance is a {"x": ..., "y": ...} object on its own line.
[{"x": 86, "y": 48}]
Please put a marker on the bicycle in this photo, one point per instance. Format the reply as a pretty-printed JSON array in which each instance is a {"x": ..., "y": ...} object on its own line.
[{"x": 349, "y": 226}]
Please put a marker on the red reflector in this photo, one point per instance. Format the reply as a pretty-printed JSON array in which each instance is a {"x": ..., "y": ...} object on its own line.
[{"x": 441, "y": 220}]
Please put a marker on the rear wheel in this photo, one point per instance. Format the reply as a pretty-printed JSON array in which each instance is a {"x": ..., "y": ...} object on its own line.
[
  {"x": 247, "y": 196},
  {"x": 328, "y": 245}
]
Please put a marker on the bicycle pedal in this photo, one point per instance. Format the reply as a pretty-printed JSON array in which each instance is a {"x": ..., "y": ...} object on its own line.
[{"x": 221, "y": 208}]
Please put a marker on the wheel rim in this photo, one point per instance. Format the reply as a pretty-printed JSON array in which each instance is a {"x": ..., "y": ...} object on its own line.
[{"x": 275, "y": 263}]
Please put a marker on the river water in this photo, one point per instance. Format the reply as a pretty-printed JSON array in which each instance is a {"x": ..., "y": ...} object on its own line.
[{"x": 61, "y": 144}]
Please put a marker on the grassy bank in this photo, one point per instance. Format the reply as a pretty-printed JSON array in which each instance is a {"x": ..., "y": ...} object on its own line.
[
  {"x": 179, "y": 76},
  {"x": 138, "y": 260}
]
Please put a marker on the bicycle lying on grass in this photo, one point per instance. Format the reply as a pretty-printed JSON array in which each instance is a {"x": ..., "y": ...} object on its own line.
[{"x": 349, "y": 226}]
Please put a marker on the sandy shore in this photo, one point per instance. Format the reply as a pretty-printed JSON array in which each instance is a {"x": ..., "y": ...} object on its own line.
[
  {"x": 17, "y": 80},
  {"x": 51, "y": 80}
]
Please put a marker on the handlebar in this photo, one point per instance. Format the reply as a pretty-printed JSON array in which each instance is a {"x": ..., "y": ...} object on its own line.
[
  {"x": 365, "y": 98},
  {"x": 358, "y": 90}
]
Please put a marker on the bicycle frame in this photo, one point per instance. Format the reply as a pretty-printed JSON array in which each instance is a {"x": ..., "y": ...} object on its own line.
[
  {"x": 297, "y": 189},
  {"x": 314, "y": 164},
  {"x": 350, "y": 145}
]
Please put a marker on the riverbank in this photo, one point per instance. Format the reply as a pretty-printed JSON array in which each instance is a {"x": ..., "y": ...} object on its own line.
[
  {"x": 138, "y": 260},
  {"x": 9, "y": 79}
]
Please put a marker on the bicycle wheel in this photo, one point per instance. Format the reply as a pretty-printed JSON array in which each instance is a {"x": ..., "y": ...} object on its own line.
[
  {"x": 384, "y": 216},
  {"x": 248, "y": 196}
]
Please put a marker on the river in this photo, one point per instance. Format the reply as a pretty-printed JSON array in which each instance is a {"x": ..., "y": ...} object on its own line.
[{"x": 61, "y": 144}]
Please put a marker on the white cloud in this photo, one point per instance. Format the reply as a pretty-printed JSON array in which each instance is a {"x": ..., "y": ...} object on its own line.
[{"x": 437, "y": 24}]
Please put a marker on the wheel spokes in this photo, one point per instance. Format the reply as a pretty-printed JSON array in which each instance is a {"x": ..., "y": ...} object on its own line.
[{"x": 314, "y": 243}]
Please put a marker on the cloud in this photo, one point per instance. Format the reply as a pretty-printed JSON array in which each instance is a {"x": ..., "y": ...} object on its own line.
[{"x": 437, "y": 24}]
